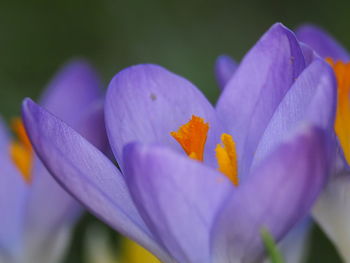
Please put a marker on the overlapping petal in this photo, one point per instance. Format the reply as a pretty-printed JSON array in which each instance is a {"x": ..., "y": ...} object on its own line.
[
  {"x": 146, "y": 102},
  {"x": 247, "y": 103},
  {"x": 86, "y": 173},
  {"x": 225, "y": 67},
  {"x": 58, "y": 208},
  {"x": 177, "y": 197},
  {"x": 292, "y": 175},
  {"x": 312, "y": 98},
  {"x": 322, "y": 42}
]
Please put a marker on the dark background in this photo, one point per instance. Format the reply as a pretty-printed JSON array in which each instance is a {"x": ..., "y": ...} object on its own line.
[{"x": 38, "y": 36}]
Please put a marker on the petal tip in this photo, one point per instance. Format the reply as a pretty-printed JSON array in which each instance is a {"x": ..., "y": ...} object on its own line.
[
  {"x": 279, "y": 27},
  {"x": 27, "y": 105},
  {"x": 79, "y": 64}
]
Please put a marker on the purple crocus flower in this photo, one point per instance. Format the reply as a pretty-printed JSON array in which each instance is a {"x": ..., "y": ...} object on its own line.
[
  {"x": 37, "y": 214},
  {"x": 332, "y": 211},
  {"x": 268, "y": 133}
]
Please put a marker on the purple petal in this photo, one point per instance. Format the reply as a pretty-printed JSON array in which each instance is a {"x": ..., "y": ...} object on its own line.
[
  {"x": 73, "y": 89},
  {"x": 146, "y": 102},
  {"x": 86, "y": 173},
  {"x": 278, "y": 194},
  {"x": 260, "y": 82},
  {"x": 49, "y": 205},
  {"x": 312, "y": 98},
  {"x": 225, "y": 67},
  {"x": 13, "y": 193},
  {"x": 177, "y": 197},
  {"x": 50, "y": 209},
  {"x": 323, "y": 43}
]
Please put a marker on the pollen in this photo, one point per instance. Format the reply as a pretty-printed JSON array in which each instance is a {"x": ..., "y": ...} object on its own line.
[
  {"x": 21, "y": 150},
  {"x": 227, "y": 158},
  {"x": 192, "y": 137},
  {"x": 342, "y": 120}
]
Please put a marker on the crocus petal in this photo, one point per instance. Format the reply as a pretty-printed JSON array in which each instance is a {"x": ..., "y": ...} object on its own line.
[
  {"x": 332, "y": 212},
  {"x": 324, "y": 44},
  {"x": 146, "y": 102},
  {"x": 312, "y": 98},
  {"x": 71, "y": 91},
  {"x": 257, "y": 87},
  {"x": 177, "y": 197},
  {"x": 50, "y": 209},
  {"x": 278, "y": 194},
  {"x": 13, "y": 193},
  {"x": 225, "y": 66},
  {"x": 58, "y": 207},
  {"x": 86, "y": 173}
]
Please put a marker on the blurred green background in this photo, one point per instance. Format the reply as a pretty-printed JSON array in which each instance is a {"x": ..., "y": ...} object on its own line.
[{"x": 38, "y": 36}]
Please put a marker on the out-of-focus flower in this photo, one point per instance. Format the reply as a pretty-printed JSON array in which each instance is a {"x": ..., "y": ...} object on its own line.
[
  {"x": 260, "y": 157},
  {"x": 99, "y": 250},
  {"x": 36, "y": 213},
  {"x": 225, "y": 67},
  {"x": 333, "y": 208}
]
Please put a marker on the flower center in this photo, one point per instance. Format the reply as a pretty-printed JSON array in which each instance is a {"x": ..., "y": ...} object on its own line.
[
  {"x": 342, "y": 120},
  {"x": 192, "y": 137},
  {"x": 21, "y": 150}
]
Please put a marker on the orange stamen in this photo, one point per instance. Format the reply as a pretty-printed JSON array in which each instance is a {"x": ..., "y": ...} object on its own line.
[
  {"x": 342, "y": 120},
  {"x": 192, "y": 137},
  {"x": 227, "y": 158},
  {"x": 21, "y": 151}
]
